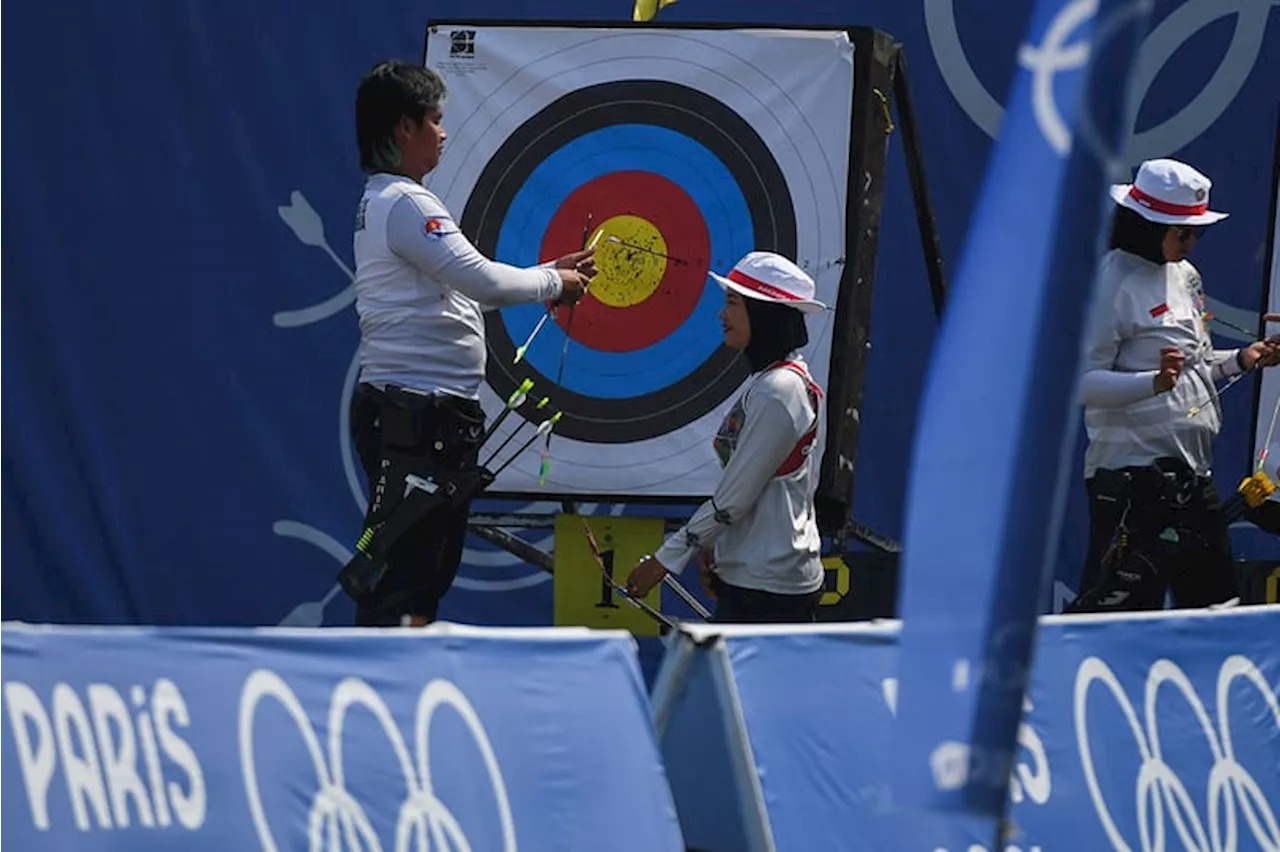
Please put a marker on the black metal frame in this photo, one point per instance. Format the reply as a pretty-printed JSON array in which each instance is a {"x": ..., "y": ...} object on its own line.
[
  {"x": 879, "y": 76},
  {"x": 879, "y": 69},
  {"x": 1265, "y": 306},
  {"x": 494, "y": 527}
]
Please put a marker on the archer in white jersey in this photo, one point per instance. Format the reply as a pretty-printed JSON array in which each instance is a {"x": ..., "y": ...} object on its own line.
[
  {"x": 421, "y": 289},
  {"x": 756, "y": 540},
  {"x": 1151, "y": 405}
]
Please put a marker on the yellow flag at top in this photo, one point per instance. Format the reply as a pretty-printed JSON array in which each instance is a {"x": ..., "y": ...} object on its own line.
[{"x": 646, "y": 9}]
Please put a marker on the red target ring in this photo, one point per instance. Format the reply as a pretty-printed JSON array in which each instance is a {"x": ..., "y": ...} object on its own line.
[{"x": 638, "y": 298}]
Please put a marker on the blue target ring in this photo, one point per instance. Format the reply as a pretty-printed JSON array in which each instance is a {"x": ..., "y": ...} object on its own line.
[
  {"x": 729, "y": 183},
  {"x": 683, "y": 161}
]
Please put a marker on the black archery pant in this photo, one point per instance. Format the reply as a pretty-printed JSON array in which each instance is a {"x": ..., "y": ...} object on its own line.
[
  {"x": 1174, "y": 538},
  {"x": 738, "y": 605},
  {"x": 441, "y": 434}
]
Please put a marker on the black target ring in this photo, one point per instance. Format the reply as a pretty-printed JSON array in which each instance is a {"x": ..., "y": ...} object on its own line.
[{"x": 683, "y": 110}]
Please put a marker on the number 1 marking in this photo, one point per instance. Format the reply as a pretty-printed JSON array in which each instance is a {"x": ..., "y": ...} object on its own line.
[{"x": 606, "y": 590}]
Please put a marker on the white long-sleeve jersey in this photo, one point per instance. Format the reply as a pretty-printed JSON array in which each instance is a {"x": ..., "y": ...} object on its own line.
[
  {"x": 1141, "y": 308},
  {"x": 761, "y": 520},
  {"x": 421, "y": 289}
]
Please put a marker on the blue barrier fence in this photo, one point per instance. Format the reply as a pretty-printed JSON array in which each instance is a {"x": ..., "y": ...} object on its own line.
[
  {"x": 1144, "y": 732},
  {"x": 235, "y": 739},
  {"x": 1141, "y": 732}
]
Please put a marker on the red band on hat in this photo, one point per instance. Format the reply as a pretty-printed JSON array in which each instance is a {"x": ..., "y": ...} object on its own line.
[
  {"x": 1165, "y": 207},
  {"x": 760, "y": 287}
]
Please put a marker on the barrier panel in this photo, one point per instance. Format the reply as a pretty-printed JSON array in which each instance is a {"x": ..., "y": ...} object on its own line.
[
  {"x": 1143, "y": 732},
  {"x": 446, "y": 738}
]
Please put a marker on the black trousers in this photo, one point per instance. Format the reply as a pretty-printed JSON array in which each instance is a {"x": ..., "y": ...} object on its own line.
[
  {"x": 423, "y": 563},
  {"x": 736, "y": 605},
  {"x": 1183, "y": 547}
]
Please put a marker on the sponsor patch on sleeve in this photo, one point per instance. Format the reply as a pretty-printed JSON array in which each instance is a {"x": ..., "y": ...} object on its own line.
[{"x": 1160, "y": 310}]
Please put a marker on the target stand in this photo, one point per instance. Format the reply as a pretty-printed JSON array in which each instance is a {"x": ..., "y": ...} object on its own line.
[{"x": 676, "y": 149}]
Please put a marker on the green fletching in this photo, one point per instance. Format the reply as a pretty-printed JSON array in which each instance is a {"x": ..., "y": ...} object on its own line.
[{"x": 517, "y": 395}]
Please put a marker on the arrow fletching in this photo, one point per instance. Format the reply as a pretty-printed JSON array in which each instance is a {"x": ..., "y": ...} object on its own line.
[
  {"x": 520, "y": 394},
  {"x": 544, "y": 428}
]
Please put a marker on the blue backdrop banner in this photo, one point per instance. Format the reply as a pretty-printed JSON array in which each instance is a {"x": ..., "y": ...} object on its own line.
[
  {"x": 177, "y": 325},
  {"x": 1145, "y": 732},
  {"x": 140, "y": 739}
]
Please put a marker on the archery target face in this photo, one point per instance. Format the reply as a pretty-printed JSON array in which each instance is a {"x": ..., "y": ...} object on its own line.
[{"x": 677, "y": 151}]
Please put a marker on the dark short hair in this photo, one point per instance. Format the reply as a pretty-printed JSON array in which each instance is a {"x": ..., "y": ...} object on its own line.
[
  {"x": 1132, "y": 233},
  {"x": 389, "y": 91}
]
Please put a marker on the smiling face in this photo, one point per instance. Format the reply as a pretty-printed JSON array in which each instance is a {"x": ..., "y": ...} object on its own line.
[{"x": 735, "y": 321}]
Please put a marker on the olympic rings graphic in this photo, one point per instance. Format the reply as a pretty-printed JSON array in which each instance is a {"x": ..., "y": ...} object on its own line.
[
  {"x": 334, "y": 807},
  {"x": 1161, "y": 44},
  {"x": 1230, "y": 784}
]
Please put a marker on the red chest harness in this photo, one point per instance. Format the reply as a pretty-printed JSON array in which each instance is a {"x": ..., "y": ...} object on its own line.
[{"x": 800, "y": 451}]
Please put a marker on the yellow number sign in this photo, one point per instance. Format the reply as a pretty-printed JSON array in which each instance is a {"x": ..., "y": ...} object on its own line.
[
  {"x": 837, "y": 586},
  {"x": 582, "y": 596}
]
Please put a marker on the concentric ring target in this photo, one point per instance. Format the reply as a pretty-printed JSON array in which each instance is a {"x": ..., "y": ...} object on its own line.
[
  {"x": 656, "y": 273},
  {"x": 683, "y": 184},
  {"x": 689, "y": 147}
]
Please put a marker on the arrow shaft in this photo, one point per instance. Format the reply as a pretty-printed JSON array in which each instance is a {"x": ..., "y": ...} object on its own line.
[
  {"x": 635, "y": 247},
  {"x": 598, "y": 556},
  {"x": 684, "y": 595},
  {"x": 537, "y": 328}
]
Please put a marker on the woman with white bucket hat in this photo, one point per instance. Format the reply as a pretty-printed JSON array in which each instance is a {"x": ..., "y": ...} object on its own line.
[
  {"x": 1151, "y": 405},
  {"x": 756, "y": 540}
]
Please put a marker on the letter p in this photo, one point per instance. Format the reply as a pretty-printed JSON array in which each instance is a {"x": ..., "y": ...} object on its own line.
[{"x": 38, "y": 761}]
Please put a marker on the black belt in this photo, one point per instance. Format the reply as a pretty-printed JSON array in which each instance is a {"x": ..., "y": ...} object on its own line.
[
  {"x": 1170, "y": 480},
  {"x": 411, "y": 398},
  {"x": 413, "y": 421}
]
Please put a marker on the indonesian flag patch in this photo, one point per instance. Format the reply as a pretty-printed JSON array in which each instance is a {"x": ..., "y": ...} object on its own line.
[{"x": 1160, "y": 310}]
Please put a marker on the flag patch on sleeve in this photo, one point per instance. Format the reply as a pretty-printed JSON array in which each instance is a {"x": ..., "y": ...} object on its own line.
[
  {"x": 1160, "y": 310},
  {"x": 438, "y": 227}
]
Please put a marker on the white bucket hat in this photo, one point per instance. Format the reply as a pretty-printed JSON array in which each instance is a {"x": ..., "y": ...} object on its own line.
[
  {"x": 768, "y": 277},
  {"x": 1170, "y": 193}
]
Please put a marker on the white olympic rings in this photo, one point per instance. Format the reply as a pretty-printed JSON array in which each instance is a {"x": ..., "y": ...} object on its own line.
[
  {"x": 335, "y": 814},
  {"x": 1158, "y": 784}
]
